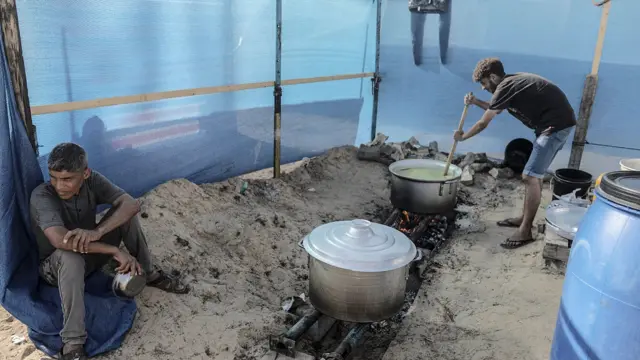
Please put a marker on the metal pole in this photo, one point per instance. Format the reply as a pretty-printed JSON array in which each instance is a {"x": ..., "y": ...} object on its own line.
[
  {"x": 375, "y": 81},
  {"x": 277, "y": 93},
  {"x": 67, "y": 73},
  {"x": 13, "y": 52}
]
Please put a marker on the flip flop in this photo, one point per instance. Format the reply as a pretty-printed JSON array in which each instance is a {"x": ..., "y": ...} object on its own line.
[
  {"x": 168, "y": 283},
  {"x": 514, "y": 244},
  {"x": 508, "y": 223}
]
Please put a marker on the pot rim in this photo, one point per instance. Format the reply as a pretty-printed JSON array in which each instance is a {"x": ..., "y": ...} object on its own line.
[{"x": 393, "y": 166}]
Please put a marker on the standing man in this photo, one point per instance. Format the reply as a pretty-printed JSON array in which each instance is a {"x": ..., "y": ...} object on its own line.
[
  {"x": 538, "y": 104},
  {"x": 71, "y": 245}
]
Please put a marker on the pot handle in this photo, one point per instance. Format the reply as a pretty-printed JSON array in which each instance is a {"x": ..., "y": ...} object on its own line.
[
  {"x": 419, "y": 255},
  {"x": 300, "y": 243}
]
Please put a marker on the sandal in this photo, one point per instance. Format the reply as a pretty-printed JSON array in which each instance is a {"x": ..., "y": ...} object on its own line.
[
  {"x": 168, "y": 283},
  {"x": 514, "y": 244},
  {"x": 508, "y": 223},
  {"x": 75, "y": 354}
]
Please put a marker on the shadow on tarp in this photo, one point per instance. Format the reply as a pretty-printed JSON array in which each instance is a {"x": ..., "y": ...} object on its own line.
[{"x": 215, "y": 147}]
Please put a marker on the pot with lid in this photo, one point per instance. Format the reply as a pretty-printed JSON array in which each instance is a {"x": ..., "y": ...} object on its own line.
[{"x": 358, "y": 270}]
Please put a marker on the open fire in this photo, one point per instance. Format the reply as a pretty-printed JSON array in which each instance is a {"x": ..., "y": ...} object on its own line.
[{"x": 426, "y": 231}]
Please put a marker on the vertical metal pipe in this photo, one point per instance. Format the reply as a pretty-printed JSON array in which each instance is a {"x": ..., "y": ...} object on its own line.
[
  {"x": 277, "y": 93},
  {"x": 375, "y": 82},
  {"x": 67, "y": 76}
]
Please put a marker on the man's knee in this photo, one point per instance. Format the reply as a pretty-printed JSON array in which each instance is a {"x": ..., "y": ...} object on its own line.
[{"x": 70, "y": 264}]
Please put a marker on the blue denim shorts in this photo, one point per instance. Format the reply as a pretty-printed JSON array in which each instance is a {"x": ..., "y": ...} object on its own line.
[{"x": 545, "y": 149}]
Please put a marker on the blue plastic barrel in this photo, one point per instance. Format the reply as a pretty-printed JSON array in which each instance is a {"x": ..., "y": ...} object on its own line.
[{"x": 599, "y": 316}]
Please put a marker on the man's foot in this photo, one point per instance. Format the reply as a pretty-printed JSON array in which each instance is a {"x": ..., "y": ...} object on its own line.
[
  {"x": 73, "y": 352},
  {"x": 158, "y": 279},
  {"x": 517, "y": 240},
  {"x": 512, "y": 222}
]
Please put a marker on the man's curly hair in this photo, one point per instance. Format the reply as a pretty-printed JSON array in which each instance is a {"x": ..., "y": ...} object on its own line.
[{"x": 486, "y": 67}]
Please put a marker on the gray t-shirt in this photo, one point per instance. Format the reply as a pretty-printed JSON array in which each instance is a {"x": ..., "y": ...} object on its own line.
[
  {"x": 48, "y": 210},
  {"x": 535, "y": 101}
]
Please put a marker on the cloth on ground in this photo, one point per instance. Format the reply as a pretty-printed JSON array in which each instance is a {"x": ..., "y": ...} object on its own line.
[{"x": 22, "y": 293}]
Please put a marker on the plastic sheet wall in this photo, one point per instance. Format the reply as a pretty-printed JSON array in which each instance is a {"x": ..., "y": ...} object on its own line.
[
  {"x": 555, "y": 39},
  {"x": 84, "y": 50}
]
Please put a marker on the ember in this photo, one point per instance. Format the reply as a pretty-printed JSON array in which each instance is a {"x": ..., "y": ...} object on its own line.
[{"x": 426, "y": 231}]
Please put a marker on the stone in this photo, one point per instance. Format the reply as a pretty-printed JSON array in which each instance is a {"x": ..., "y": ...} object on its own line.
[
  {"x": 481, "y": 158},
  {"x": 502, "y": 173},
  {"x": 378, "y": 140},
  {"x": 467, "y": 176},
  {"x": 413, "y": 143},
  {"x": 441, "y": 157},
  {"x": 481, "y": 167},
  {"x": 433, "y": 146},
  {"x": 469, "y": 159}
]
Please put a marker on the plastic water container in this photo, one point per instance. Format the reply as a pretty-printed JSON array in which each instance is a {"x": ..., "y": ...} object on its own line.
[{"x": 599, "y": 316}]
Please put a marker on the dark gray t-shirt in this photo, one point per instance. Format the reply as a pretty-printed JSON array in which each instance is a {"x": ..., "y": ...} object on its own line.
[
  {"x": 535, "y": 101},
  {"x": 48, "y": 210}
]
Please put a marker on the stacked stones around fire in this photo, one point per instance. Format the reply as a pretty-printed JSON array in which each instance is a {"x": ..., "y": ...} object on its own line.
[{"x": 471, "y": 163}]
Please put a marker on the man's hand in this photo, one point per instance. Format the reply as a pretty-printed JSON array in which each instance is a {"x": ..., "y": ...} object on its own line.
[
  {"x": 80, "y": 239},
  {"x": 469, "y": 99},
  {"x": 458, "y": 135},
  {"x": 128, "y": 264}
]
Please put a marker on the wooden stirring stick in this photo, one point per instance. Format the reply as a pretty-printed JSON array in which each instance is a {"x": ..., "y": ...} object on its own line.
[{"x": 455, "y": 142}]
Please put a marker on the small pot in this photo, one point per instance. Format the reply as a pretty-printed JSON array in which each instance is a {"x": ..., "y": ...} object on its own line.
[
  {"x": 358, "y": 270},
  {"x": 127, "y": 285},
  {"x": 420, "y": 196}
]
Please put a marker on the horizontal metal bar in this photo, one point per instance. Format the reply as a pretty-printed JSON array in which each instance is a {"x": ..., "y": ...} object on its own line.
[{"x": 132, "y": 99}]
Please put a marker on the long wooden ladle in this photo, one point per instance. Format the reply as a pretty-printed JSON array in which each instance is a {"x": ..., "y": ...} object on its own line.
[{"x": 455, "y": 142}]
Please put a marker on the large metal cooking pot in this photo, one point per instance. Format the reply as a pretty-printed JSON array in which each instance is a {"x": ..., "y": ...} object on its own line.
[
  {"x": 358, "y": 270},
  {"x": 420, "y": 196}
]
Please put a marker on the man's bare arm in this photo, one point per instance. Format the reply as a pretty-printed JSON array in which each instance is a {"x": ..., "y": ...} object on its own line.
[
  {"x": 481, "y": 124},
  {"x": 482, "y": 104},
  {"x": 56, "y": 234},
  {"x": 126, "y": 207}
]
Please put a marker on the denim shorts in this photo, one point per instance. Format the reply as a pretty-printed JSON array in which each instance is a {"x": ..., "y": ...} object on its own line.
[{"x": 545, "y": 149}]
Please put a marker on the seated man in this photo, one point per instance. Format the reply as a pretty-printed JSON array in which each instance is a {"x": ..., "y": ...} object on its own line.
[{"x": 72, "y": 245}]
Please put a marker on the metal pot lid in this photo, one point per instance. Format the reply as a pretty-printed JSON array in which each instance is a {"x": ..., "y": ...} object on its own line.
[
  {"x": 622, "y": 187},
  {"x": 360, "y": 245},
  {"x": 565, "y": 218}
]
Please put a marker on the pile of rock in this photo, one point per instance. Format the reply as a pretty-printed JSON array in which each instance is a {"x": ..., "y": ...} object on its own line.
[{"x": 471, "y": 164}]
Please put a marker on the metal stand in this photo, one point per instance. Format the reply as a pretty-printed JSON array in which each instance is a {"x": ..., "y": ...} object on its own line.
[{"x": 348, "y": 344}]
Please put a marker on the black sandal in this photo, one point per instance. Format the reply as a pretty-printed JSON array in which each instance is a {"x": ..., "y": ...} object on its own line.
[
  {"x": 508, "y": 223},
  {"x": 168, "y": 283},
  {"x": 514, "y": 244},
  {"x": 75, "y": 354}
]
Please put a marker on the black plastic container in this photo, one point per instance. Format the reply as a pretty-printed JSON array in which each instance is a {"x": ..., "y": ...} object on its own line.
[
  {"x": 565, "y": 181},
  {"x": 517, "y": 153}
]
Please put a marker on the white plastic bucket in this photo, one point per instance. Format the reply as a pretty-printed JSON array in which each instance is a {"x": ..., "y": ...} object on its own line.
[{"x": 630, "y": 164}]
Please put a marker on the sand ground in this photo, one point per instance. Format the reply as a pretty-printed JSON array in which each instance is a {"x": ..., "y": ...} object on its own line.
[{"x": 240, "y": 254}]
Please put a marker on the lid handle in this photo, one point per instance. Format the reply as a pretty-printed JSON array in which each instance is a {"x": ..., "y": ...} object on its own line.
[{"x": 360, "y": 229}]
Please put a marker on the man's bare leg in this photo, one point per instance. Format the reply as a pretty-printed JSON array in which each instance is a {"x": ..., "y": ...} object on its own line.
[{"x": 532, "y": 199}]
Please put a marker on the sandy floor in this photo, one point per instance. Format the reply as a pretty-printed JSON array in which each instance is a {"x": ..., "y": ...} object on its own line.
[
  {"x": 239, "y": 253},
  {"x": 484, "y": 302}
]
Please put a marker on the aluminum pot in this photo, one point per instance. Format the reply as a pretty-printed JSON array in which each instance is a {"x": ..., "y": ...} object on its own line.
[
  {"x": 358, "y": 270},
  {"x": 420, "y": 196},
  {"x": 128, "y": 285}
]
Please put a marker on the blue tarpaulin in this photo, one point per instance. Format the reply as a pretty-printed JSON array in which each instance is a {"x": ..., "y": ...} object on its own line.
[{"x": 21, "y": 292}]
